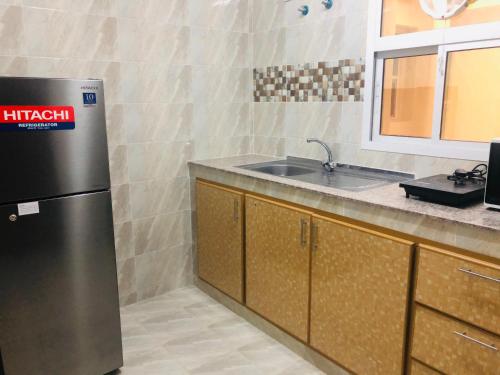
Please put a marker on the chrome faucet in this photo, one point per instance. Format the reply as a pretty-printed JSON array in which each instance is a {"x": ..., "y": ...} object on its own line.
[{"x": 329, "y": 165}]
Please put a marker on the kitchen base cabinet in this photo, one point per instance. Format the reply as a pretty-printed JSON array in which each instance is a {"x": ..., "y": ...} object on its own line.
[
  {"x": 359, "y": 296},
  {"x": 277, "y": 264},
  {"x": 343, "y": 289},
  {"x": 220, "y": 230}
]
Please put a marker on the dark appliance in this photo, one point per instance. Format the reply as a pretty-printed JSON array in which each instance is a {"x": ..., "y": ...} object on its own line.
[
  {"x": 460, "y": 189},
  {"x": 59, "y": 309},
  {"x": 492, "y": 196}
]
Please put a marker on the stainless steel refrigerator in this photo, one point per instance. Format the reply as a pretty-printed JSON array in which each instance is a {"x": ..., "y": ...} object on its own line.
[{"x": 59, "y": 309}]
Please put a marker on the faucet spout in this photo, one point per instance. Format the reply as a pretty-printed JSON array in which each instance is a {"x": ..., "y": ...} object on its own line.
[{"x": 329, "y": 165}]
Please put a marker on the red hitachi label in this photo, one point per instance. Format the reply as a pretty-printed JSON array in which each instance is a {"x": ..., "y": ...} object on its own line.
[{"x": 28, "y": 118}]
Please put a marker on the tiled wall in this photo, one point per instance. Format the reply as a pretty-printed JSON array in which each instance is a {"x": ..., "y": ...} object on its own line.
[
  {"x": 339, "y": 81},
  {"x": 178, "y": 84},
  {"x": 282, "y": 37}
]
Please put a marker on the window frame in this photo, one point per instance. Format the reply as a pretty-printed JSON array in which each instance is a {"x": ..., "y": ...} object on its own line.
[{"x": 440, "y": 42}]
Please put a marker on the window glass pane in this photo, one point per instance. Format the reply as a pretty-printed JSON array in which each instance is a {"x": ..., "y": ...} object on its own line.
[
  {"x": 478, "y": 11},
  {"x": 471, "y": 110},
  {"x": 408, "y": 96},
  {"x": 406, "y": 16}
]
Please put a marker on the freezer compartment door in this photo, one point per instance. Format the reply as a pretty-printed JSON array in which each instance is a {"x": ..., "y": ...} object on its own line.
[
  {"x": 37, "y": 164},
  {"x": 59, "y": 309}
]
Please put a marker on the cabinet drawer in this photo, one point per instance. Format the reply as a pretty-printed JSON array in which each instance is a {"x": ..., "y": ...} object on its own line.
[
  {"x": 460, "y": 286},
  {"x": 452, "y": 346},
  {"x": 418, "y": 368}
]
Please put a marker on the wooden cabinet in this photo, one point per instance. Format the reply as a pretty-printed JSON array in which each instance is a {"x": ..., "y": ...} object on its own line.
[
  {"x": 220, "y": 233},
  {"x": 452, "y": 346},
  {"x": 277, "y": 264},
  {"x": 359, "y": 296},
  {"x": 418, "y": 368},
  {"x": 459, "y": 333},
  {"x": 466, "y": 288},
  {"x": 345, "y": 289}
]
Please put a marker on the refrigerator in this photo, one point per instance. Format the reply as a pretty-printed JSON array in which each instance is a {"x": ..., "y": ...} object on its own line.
[{"x": 59, "y": 308}]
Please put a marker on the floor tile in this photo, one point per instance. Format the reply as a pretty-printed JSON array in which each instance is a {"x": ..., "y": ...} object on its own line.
[{"x": 185, "y": 332}]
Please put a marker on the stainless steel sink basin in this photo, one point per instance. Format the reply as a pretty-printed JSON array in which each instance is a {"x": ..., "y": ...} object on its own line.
[
  {"x": 283, "y": 170},
  {"x": 345, "y": 177}
]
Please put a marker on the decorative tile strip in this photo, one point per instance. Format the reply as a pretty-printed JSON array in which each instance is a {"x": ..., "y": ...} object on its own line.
[{"x": 341, "y": 81}]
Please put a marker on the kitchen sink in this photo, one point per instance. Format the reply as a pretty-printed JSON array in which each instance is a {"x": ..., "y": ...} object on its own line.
[
  {"x": 344, "y": 176},
  {"x": 283, "y": 170}
]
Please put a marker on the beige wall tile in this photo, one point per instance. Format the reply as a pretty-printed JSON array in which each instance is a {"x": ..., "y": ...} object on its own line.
[
  {"x": 124, "y": 240},
  {"x": 269, "y": 119},
  {"x": 161, "y": 271},
  {"x": 121, "y": 203},
  {"x": 269, "y": 48},
  {"x": 267, "y": 15},
  {"x": 174, "y": 12},
  {"x": 159, "y": 232},
  {"x": 12, "y": 33},
  {"x": 127, "y": 281},
  {"x": 269, "y": 146},
  {"x": 118, "y": 165},
  {"x": 115, "y": 124},
  {"x": 159, "y": 197}
]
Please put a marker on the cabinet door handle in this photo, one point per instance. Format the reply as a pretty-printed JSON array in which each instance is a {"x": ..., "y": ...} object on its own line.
[
  {"x": 236, "y": 210},
  {"x": 303, "y": 230},
  {"x": 465, "y": 336},
  {"x": 315, "y": 236},
  {"x": 472, "y": 273}
]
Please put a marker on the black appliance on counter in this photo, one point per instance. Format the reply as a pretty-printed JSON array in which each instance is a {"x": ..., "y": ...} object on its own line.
[
  {"x": 492, "y": 196},
  {"x": 459, "y": 189},
  {"x": 59, "y": 309}
]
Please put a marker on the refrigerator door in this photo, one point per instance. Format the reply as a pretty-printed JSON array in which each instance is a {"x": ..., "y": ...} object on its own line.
[
  {"x": 37, "y": 164},
  {"x": 59, "y": 309}
]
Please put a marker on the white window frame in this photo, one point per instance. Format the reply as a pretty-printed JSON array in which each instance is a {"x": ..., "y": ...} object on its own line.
[{"x": 440, "y": 42}]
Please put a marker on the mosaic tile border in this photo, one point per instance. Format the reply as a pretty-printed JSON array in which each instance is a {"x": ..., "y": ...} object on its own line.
[{"x": 340, "y": 81}]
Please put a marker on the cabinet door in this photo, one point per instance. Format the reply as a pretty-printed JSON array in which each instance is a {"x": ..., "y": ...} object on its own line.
[
  {"x": 220, "y": 238},
  {"x": 359, "y": 296},
  {"x": 277, "y": 264}
]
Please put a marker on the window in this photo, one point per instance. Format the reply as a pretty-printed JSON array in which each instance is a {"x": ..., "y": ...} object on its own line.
[
  {"x": 408, "y": 96},
  {"x": 432, "y": 85},
  {"x": 463, "y": 104}
]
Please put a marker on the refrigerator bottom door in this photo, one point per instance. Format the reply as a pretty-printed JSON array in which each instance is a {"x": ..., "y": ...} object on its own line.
[{"x": 59, "y": 309}]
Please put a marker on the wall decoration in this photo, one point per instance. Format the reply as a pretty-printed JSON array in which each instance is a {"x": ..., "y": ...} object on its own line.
[{"x": 340, "y": 81}]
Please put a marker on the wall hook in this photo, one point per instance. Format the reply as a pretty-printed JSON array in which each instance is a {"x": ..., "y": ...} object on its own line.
[
  {"x": 304, "y": 10},
  {"x": 328, "y": 4}
]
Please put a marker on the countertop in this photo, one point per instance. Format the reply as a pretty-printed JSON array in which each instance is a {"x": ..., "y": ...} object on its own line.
[{"x": 388, "y": 196}]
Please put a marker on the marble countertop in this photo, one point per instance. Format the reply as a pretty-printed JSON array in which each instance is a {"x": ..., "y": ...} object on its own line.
[{"x": 389, "y": 196}]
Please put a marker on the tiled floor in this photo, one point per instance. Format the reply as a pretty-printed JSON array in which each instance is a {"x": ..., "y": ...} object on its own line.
[{"x": 187, "y": 332}]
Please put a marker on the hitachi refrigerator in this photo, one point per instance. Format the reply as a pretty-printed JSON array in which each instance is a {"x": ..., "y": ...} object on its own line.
[{"x": 59, "y": 309}]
